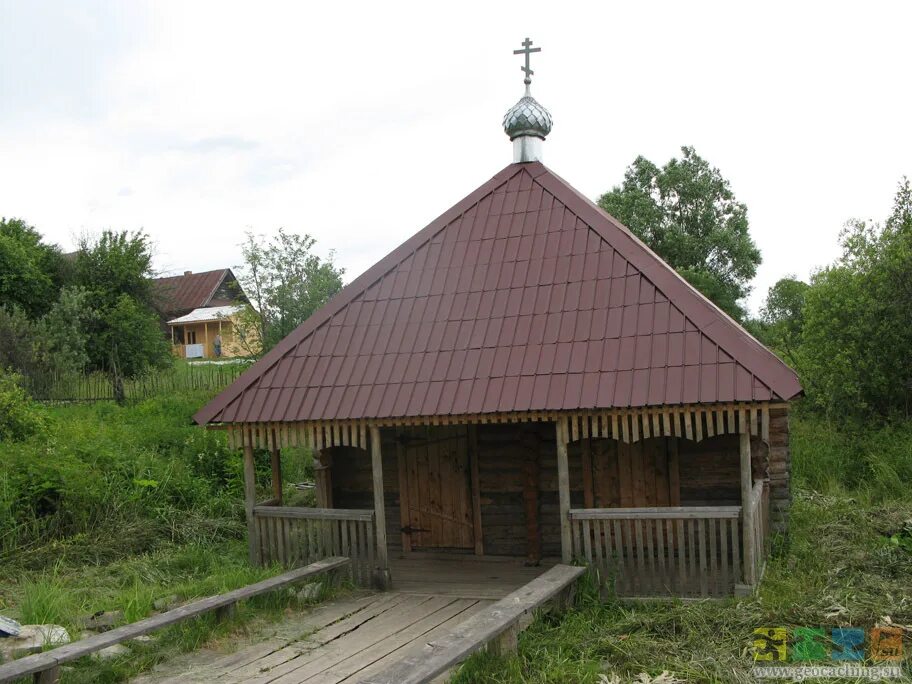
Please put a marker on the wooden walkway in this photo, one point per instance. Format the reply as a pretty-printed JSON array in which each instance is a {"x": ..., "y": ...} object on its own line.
[{"x": 349, "y": 639}]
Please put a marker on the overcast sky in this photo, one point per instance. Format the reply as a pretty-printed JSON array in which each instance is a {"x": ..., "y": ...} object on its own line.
[{"x": 359, "y": 124}]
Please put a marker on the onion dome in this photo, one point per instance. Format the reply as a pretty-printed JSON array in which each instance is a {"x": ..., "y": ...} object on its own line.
[{"x": 527, "y": 117}]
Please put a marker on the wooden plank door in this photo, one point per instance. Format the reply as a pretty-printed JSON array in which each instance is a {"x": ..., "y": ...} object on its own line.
[{"x": 437, "y": 476}]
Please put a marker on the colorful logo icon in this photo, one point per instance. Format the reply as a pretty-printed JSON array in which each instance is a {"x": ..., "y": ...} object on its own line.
[{"x": 813, "y": 644}]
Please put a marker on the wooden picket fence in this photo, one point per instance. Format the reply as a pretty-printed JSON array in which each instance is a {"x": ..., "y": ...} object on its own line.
[
  {"x": 89, "y": 387},
  {"x": 675, "y": 551},
  {"x": 295, "y": 536}
]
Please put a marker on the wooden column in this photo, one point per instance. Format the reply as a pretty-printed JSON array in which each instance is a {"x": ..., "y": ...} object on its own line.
[
  {"x": 674, "y": 473},
  {"x": 531, "y": 472},
  {"x": 405, "y": 510},
  {"x": 276, "y": 476},
  {"x": 476, "y": 489},
  {"x": 747, "y": 519},
  {"x": 563, "y": 484},
  {"x": 588, "y": 489},
  {"x": 253, "y": 543},
  {"x": 383, "y": 576},
  {"x": 323, "y": 476},
  {"x": 206, "y": 338}
]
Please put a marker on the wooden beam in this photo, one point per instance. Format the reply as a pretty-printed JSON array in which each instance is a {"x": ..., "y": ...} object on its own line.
[
  {"x": 674, "y": 473},
  {"x": 323, "y": 475},
  {"x": 405, "y": 511},
  {"x": 453, "y": 645},
  {"x": 52, "y": 659},
  {"x": 276, "y": 476},
  {"x": 531, "y": 487},
  {"x": 253, "y": 543},
  {"x": 476, "y": 489},
  {"x": 563, "y": 485},
  {"x": 588, "y": 492},
  {"x": 383, "y": 578},
  {"x": 747, "y": 522}
]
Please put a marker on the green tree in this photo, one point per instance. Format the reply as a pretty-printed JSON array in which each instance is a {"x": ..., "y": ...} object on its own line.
[
  {"x": 124, "y": 338},
  {"x": 687, "y": 213},
  {"x": 857, "y": 329},
  {"x": 782, "y": 317},
  {"x": 20, "y": 417},
  {"x": 285, "y": 282},
  {"x": 30, "y": 270},
  {"x": 17, "y": 338},
  {"x": 61, "y": 338}
]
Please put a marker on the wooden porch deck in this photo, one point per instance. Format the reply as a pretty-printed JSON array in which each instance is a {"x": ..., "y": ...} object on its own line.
[
  {"x": 484, "y": 577},
  {"x": 349, "y": 639}
]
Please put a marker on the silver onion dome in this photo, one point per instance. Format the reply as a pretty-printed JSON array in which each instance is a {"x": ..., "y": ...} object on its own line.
[{"x": 527, "y": 117}]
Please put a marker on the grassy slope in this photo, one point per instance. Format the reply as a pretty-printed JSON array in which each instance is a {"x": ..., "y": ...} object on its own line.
[
  {"x": 836, "y": 568},
  {"x": 117, "y": 507},
  {"x": 120, "y": 506}
]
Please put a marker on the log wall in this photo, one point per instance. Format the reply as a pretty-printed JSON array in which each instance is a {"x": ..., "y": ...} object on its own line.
[{"x": 708, "y": 473}]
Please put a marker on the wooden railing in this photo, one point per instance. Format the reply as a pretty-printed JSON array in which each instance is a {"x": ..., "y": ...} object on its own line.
[
  {"x": 46, "y": 666},
  {"x": 680, "y": 551},
  {"x": 295, "y": 536},
  {"x": 497, "y": 626},
  {"x": 759, "y": 504}
]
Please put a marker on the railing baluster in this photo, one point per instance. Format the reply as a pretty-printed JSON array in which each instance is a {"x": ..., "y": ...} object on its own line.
[{"x": 587, "y": 541}]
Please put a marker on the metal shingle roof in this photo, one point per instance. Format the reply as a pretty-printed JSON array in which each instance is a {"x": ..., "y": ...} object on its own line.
[
  {"x": 182, "y": 293},
  {"x": 524, "y": 296}
]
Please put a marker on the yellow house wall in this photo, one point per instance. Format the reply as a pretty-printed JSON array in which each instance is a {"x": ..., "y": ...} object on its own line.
[{"x": 205, "y": 335}]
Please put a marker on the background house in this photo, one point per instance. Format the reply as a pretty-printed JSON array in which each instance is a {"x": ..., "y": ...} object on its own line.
[{"x": 197, "y": 307}]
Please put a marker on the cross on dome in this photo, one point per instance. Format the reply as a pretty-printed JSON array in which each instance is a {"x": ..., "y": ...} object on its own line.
[{"x": 527, "y": 50}]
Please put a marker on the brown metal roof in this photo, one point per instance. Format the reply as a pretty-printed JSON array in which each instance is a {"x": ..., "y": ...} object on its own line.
[
  {"x": 179, "y": 294},
  {"x": 524, "y": 296}
]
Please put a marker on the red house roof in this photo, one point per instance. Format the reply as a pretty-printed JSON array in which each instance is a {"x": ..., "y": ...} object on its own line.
[
  {"x": 524, "y": 296},
  {"x": 180, "y": 294}
]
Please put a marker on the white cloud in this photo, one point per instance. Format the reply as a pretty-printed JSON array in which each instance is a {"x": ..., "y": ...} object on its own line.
[{"x": 360, "y": 123}]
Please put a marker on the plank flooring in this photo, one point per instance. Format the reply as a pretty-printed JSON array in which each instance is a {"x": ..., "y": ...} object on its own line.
[
  {"x": 347, "y": 639},
  {"x": 469, "y": 577}
]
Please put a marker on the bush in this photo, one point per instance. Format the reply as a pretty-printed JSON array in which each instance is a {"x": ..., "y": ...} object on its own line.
[
  {"x": 20, "y": 417},
  {"x": 108, "y": 481}
]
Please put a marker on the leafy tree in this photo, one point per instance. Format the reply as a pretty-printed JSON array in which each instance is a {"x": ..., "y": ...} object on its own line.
[
  {"x": 285, "y": 282},
  {"x": 17, "y": 337},
  {"x": 124, "y": 339},
  {"x": 20, "y": 417},
  {"x": 782, "y": 317},
  {"x": 61, "y": 338},
  {"x": 687, "y": 213},
  {"x": 857, "y": 329},
  {"x": 30, "y": 270}
]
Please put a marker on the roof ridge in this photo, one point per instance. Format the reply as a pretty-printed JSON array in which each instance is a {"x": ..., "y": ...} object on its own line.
[
  {"x": 711, "y": 313},
  {"x": 358, "y": 286}
]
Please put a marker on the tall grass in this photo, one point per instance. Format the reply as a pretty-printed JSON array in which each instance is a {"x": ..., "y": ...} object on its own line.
[{"x": 870, "y": 461}]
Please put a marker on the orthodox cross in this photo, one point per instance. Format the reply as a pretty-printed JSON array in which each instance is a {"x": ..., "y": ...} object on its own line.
[{"x": 527, "y": 50}]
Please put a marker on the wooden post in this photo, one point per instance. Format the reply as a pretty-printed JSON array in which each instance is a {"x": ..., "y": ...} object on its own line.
[
  {"x": 383, "y": 575},
  {"x": 476, "y": 490},
  {"x": 530, "y": 499},
  {"x": 323, "y": 474},
  {"x": 674, "y": 473},
  {"x": 49, "y": 676},
  {"x": 253, "y": 543},
  {"x": 563, "y": 485},
  {"x": 405, "y": 510},
  {"x": 277, "y": 476},
  {"x": 747, "y": 515},
  {"x": 588, "y": 489},
  {"x": 206, "y": 338}
]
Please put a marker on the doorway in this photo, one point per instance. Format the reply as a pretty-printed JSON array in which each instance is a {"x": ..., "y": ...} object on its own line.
[{"x": 435, "y": 483}]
